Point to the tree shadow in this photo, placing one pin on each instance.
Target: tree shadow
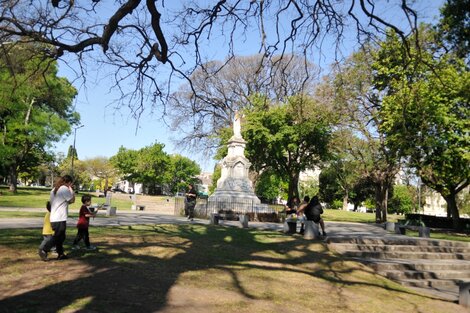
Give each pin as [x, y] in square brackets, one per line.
[124, 277]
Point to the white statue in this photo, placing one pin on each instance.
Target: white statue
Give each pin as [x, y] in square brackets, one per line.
[237, 125]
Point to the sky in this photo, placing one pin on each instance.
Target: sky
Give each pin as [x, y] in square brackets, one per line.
[105, 129]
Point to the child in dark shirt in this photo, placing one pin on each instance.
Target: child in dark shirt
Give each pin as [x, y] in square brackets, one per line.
[83, 224]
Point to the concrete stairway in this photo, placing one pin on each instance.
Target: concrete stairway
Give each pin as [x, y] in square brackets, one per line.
[434, 266]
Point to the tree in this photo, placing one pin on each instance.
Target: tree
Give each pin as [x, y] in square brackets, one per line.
[125, 162]
[203, 109]
[403, 200]
[287, 138]
[153, 167]
[35, 108]
[426, 113]
[181, 171]
[343, 171]
[145, 40]
[454, 27]
[350, 91]
[269, 186]
[102, 168]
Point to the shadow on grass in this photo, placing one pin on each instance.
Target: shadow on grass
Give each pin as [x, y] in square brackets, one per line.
[130, 274]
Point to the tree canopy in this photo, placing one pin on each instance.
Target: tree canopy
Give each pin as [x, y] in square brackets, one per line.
[287, 138]
[148, 40]
[35, 109]
[426, 114]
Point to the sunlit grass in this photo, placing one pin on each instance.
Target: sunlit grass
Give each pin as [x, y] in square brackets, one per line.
[37, 198]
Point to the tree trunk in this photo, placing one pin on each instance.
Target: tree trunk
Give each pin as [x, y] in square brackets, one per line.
[293, 190]
[454, 211]
[381, 193]
[345, 200]
[13, 176]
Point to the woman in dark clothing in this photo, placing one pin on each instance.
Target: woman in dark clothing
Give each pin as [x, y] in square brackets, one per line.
[313, 212]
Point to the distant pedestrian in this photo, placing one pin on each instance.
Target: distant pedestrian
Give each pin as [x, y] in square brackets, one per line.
[83, 224]
[191, 196]
[61, 196]
[47, 231]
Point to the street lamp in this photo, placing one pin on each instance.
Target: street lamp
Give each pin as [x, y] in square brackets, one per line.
[74, 139]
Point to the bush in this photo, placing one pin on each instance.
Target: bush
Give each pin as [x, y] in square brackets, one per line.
[402, 200]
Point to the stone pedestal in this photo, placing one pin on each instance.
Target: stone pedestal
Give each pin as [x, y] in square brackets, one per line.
[390, 226]
[464, 294]
[290, 226]
[244, 220]
[214, 219]
[111, 211]
[311, 230]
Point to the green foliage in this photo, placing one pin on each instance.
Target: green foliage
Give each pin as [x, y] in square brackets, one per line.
[308, 187]
[269, 186]
[215, 177]
[125, 161]
[426, 113]
[403, 200]
[35, 108]
[336, 204]
[454, 26]
[285, 139]
[154, 167]
[181, 171]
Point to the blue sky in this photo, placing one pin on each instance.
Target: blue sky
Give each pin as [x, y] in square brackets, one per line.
[106, 129]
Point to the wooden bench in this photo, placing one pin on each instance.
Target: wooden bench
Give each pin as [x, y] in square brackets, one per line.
[423, 231]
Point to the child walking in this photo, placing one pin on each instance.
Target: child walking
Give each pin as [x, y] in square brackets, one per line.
[83, 224]
[47, 231]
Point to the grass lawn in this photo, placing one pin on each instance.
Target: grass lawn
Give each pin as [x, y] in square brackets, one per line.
[196, 268]
[37, 198]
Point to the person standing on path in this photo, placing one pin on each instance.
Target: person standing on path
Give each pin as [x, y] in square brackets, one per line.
[191, 196]
[83, 224]
[61, 196]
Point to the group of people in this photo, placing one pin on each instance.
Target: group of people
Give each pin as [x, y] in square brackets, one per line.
[55, 220]
[310, 208]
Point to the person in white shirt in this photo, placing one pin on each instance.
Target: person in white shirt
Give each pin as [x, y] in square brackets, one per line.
[61, 196]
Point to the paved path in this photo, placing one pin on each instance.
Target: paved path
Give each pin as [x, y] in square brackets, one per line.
[132, 218]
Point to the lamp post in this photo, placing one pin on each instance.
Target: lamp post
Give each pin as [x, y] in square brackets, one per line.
[74, 139]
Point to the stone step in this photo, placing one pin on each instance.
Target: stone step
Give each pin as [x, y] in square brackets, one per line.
[436, 266]
[440, 284]
[416, 265]
[407, 255]
[393, 240]
[343, 247]
[410, 274]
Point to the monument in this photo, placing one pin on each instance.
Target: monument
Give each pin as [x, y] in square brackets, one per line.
[234, 189]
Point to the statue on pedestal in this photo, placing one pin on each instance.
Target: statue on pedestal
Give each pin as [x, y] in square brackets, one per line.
[234, 186]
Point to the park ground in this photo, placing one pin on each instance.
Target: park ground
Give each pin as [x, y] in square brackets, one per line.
[196, 268]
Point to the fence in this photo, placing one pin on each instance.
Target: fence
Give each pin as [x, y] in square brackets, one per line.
[255, 211]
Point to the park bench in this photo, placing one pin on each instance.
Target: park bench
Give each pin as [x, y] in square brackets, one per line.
[423, 231]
